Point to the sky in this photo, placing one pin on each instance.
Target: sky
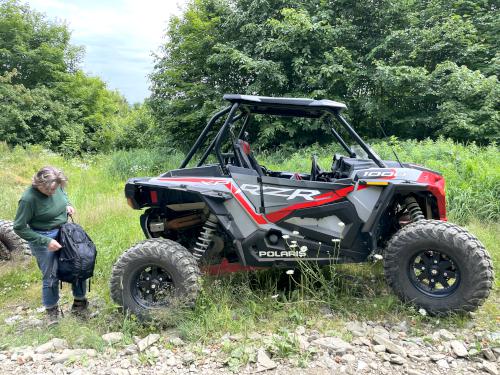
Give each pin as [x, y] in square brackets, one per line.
[119, 37]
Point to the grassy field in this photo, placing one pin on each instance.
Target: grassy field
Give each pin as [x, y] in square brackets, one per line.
[244, 303]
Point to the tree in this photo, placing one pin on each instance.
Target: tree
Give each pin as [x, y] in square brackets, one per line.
[44, 97]
[32, 116]
[392, 62]
[38, 49]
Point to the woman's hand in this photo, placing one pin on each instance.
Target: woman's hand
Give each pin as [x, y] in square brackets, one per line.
[70, 210]
[54, 245]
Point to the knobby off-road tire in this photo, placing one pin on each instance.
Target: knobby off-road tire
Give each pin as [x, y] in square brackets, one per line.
[426, 250]
[154, 276]
[11, 241]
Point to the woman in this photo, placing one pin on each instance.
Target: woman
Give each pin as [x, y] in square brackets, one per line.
[43, 208]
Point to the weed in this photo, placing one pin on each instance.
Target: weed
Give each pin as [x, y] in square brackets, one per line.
[238, 354]
[147, 358]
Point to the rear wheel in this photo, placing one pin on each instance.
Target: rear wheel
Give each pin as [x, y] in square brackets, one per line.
[438, 266]
[153, 276]
[10, 242]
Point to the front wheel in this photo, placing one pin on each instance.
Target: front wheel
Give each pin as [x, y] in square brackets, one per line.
[153, 276]
[438, 266]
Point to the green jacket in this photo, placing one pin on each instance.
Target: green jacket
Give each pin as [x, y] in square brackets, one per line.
[39, 211]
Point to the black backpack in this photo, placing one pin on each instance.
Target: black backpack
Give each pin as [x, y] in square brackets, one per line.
[77, 256]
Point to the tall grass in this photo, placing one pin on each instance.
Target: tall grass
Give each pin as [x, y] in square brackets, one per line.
[239, 303]
[144, 162]
[472, 173]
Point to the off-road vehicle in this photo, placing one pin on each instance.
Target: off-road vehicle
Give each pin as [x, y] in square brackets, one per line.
[234, 214]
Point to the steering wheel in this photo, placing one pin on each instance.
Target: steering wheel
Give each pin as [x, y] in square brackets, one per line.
[315, 169]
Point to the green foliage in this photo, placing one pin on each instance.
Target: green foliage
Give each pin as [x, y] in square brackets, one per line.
[421, 69]
[37, 48]
[34, 116]
[44, 97]
[97, 109]
[135, 128]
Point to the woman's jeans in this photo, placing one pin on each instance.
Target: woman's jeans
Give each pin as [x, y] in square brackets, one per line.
[47, 262]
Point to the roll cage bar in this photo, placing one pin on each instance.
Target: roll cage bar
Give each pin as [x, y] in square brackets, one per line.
[249, 104]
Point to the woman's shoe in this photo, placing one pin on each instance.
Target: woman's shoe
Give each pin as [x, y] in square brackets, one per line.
[52, 316]
[80, 307]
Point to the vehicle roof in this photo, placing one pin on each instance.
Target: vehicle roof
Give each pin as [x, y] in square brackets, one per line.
[284, 106]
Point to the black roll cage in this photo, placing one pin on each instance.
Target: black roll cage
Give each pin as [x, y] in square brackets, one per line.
[297, 110]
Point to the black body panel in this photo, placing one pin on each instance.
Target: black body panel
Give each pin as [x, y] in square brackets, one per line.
[205, 171]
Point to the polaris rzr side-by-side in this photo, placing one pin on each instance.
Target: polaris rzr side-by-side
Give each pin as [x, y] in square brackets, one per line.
[234, 214]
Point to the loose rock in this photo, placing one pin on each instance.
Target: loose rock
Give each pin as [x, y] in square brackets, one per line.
[334, 345]
[390, 346]
[113, 337]
[348, 358]
[458, 348]
[444, 334]
[148, 341]
[73, 354]
[362, 365]
[52, 345]
[437, 357]
[396, 359]
[488, 354]
[490, 368]
[415, 372]
[356, 328]
[443, 363]
[264, 363]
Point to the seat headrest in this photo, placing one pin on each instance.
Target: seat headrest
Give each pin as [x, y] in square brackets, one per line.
[245, 146]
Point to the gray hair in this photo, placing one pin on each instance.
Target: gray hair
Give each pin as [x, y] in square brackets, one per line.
[47, 176]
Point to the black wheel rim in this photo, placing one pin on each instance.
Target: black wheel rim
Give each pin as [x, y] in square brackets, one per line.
[434, 273]
[152, 287]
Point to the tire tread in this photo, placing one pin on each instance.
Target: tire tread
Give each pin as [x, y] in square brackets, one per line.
[469, 248]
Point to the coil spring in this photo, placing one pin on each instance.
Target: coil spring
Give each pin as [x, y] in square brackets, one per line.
[414, 209]
[205, 237]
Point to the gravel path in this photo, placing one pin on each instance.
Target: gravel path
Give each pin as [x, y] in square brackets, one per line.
[375, 348]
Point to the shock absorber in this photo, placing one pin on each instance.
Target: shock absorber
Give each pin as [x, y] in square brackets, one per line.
[205, 237]
[414, 209]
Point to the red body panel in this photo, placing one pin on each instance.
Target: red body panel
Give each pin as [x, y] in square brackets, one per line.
[435, 184]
